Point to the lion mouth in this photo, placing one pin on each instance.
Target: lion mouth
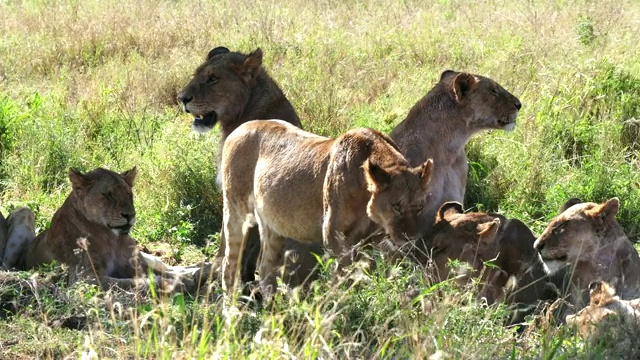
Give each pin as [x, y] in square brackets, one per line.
[122, 230]
[508, 123]
[204, 123]
[552, 264]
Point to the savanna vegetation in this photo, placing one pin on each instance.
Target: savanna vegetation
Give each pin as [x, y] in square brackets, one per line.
[94, 83]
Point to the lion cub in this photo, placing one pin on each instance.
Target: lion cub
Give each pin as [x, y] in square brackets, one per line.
[606, 311]
[587, 238]
[475, 238]
[296, 184]
[478, 237]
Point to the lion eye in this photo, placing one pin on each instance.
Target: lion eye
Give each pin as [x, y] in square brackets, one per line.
[495, 92]
[559, 229]
[213, 79]
[397, 208]
[108, 195]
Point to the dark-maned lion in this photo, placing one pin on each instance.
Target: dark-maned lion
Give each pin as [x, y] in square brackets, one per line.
[587, 241]
[439, 126]
[299, 185]
[231, 88]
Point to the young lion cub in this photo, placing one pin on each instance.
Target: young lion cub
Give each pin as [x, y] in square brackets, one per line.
[606, 314]
[307, 187]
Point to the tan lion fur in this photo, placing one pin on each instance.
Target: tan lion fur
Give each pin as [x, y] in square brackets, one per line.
[605, 316]
[230, 89]
[588, 241]
[441, 123]
[478, 237]
[90, 233]
[299, 185]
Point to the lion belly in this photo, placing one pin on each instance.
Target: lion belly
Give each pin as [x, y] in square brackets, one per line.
[288, 196]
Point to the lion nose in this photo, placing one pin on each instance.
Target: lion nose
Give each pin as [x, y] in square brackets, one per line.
[518, 104]
[128, 216]
[184, 99]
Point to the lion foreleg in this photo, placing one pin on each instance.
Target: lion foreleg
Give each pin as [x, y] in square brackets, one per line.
[334, 236]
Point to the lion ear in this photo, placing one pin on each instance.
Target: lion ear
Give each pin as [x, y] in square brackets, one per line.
[600, 293]
[425, 170]
[487, 231]
[78, 180]
[447, 209]
[447, 75]
[251, 64]
[130, 176]
[570, 203]
[462, 85]
[605, 214]
[377, 178]
[217, 51]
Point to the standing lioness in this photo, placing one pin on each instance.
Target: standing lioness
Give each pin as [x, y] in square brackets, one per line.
[299, 185]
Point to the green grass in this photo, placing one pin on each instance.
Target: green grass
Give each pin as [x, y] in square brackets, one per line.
[88, 84]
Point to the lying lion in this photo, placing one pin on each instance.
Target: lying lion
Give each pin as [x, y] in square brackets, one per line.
[605, 317]
[475, 238]
[299, 185]
[230, 89]
[586, 239]
[90, 234]
[440, 124]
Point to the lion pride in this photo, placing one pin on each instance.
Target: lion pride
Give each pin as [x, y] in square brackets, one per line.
[296, 184]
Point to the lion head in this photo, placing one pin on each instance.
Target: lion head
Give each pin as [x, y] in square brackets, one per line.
[220, 88]
[587, 243]
[493, 106]
[470, 238]
[105, 198]
[398, 197]
[578, 235]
